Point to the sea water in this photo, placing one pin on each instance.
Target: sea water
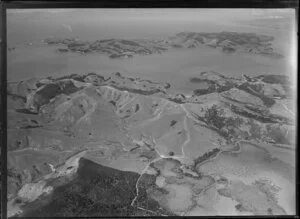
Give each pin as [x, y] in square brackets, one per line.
[31, 57]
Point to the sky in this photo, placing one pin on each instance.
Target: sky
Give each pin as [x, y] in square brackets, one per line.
[177, 14]
[24, 24]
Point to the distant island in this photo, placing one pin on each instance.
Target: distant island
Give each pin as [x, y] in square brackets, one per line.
[228, 42]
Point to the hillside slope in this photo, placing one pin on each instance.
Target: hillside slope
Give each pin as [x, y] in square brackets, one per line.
[136, 125]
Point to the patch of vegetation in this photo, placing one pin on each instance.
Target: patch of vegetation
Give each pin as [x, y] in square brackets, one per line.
[228, 49]
[196, 80]
[173, 122]
[215, 117]
[29, 126]
[62, 50]
[171, 153]
[26, 111]
[199, 92]
[224, 192]
[222, 180]
[258, 117]
[137, 107]
[234, 122]
[206, 156]
[232, 130]
[176, 45]
[112, 102]
[178, 100]
[76, 44]
[240, 208]
[270, 211]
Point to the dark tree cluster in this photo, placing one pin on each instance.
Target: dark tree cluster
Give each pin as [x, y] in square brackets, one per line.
[207, 155]
[96, 191]
[214, 117]
[173, 122]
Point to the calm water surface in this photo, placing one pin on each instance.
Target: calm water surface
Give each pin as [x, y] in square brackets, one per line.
[175, 66]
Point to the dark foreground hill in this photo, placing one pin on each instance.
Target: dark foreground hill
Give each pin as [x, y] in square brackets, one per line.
[96, 191]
